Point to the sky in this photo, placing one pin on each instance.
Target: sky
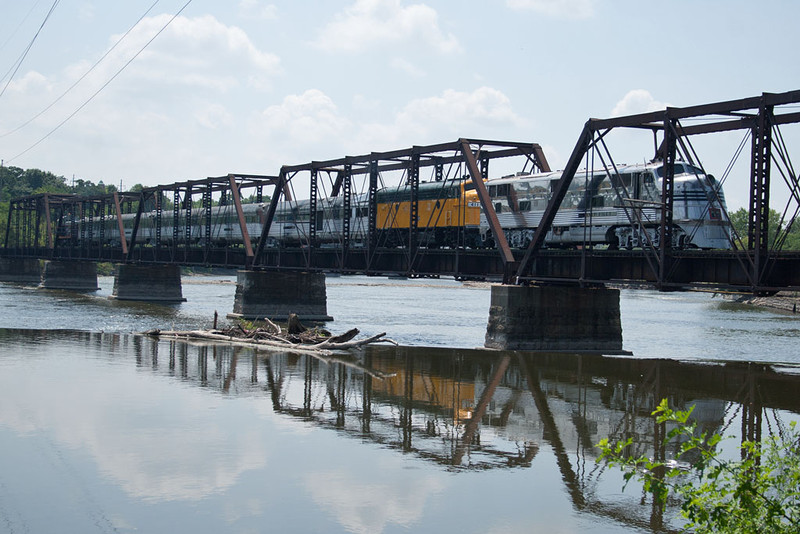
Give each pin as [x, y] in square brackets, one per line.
[245, 86]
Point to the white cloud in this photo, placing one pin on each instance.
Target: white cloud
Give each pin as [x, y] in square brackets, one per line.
[201, 52]
[407, 67]
[364, 507]
[368, 23]
[258, 9]
[637, 101]
[298, 126]
[309, 126]
[165, 116]
[306, 119]
[458, 110]
[573, 9]
[213, 116]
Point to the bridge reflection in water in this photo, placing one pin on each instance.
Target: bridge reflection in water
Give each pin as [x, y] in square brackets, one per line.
[466, 410]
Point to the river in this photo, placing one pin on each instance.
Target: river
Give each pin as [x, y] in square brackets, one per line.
[103, 430]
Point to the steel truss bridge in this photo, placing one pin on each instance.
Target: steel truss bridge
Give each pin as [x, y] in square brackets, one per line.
[174, 216]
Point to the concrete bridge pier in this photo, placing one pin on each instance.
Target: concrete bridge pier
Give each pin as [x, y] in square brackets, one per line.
[71, 275]
[151, 283]
[554, 318]
[20, 270]
[276, 294]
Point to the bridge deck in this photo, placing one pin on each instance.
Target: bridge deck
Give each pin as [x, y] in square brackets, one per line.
[688, 269]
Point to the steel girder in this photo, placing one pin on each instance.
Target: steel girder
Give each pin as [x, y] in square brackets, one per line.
[758, 114]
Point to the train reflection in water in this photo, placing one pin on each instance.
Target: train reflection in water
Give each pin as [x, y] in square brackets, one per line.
[465, 410]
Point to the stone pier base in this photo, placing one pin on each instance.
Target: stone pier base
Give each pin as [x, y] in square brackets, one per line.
[153, 283]
[552, 318]
[20, 270]
[275, 295]
[71, 275]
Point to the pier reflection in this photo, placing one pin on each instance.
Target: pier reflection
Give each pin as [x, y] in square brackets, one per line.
[470, 410]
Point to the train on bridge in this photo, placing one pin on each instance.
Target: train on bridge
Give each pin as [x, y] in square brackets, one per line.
[618, 210]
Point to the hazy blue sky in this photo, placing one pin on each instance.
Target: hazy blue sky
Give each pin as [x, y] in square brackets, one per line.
[248, 85]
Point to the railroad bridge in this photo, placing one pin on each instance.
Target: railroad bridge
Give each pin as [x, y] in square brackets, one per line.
[285, 231]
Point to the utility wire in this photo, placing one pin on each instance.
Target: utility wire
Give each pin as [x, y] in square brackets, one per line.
[48, 134]
[85, 74]
[24, 19]
[27, 49]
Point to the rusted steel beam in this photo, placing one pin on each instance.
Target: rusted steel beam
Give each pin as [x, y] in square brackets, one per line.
[136, 220]
[273, 206]
[668, 155]
[758, 220]
[11, 208]
[429, 156]
[557, 197]
[237, 202]
[486, 203]
[219, 183]
[538, 153]
[120, 226]
[718, 108]
[47, 221]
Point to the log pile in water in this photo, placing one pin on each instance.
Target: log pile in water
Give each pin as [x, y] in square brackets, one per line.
[295, 337]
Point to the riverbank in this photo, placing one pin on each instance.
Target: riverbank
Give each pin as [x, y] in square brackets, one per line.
[786, 301]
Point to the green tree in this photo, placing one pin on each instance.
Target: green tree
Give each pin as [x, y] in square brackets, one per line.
[758, 493]
[739, 219]
[16, 182]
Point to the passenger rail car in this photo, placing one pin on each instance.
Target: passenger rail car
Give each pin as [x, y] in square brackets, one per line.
[623, 210]
[620, 211]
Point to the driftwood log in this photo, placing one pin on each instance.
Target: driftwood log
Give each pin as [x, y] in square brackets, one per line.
[295, 338]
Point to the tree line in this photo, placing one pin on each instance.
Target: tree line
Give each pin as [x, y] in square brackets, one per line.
[16, 182]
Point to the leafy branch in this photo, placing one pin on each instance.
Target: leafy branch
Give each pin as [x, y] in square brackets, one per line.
[758, 493]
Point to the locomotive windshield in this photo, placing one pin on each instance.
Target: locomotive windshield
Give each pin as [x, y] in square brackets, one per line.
[680, 168]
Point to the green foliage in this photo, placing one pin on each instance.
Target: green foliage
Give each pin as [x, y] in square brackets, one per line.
[758, 493]
[739, 223]
[16, 182]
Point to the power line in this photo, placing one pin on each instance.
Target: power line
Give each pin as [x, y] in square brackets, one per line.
[48, 134]
[85, 74]
[27, 49]
[24, 19]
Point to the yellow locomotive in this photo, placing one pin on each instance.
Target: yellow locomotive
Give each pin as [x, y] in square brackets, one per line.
[445, 215]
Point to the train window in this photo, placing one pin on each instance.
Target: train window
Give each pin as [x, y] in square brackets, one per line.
[680, 168]
[524, 205]
[502, 190]
[498, 207]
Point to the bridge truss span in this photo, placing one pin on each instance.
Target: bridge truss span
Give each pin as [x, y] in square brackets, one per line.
[772, 184]
[471, 209]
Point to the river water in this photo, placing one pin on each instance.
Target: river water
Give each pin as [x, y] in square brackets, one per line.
[102, 430]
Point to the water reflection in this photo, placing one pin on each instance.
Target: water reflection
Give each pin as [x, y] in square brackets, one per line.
[456, 411]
